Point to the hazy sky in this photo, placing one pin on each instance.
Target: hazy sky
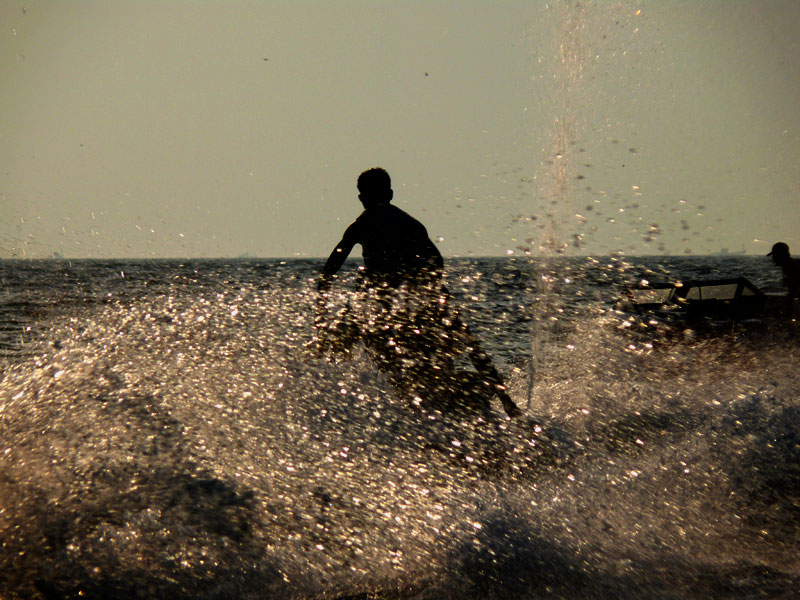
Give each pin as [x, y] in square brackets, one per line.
[175, 129]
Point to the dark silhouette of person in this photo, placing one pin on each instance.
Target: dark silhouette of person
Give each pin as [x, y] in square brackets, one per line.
[417, 334]
[395, 246]
[790, 267]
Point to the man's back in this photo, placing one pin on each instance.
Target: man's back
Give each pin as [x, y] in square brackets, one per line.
[790, 267]
[395, 246]
[791, 276]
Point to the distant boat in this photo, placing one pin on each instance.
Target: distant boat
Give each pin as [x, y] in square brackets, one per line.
[711, 302]
[725, 251]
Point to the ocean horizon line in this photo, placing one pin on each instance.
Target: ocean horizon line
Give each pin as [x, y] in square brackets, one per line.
[354, 259]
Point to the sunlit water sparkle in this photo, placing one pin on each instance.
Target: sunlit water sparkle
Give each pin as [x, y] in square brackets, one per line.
[165, 432]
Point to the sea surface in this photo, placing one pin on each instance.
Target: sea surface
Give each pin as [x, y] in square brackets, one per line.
[166, 431]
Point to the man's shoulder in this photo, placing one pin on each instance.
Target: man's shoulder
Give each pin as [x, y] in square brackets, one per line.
[355, 228]
[386, 208]
[400, 214]
[387, 212]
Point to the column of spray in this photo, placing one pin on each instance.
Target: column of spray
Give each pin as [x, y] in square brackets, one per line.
[556, 189]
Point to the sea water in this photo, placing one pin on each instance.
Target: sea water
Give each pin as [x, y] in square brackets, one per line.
[166, 430]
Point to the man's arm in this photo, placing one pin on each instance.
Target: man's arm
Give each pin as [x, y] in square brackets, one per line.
[337, 258]
[435, 255]
[429, 258]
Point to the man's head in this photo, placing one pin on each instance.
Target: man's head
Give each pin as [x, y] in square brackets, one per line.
[780, 253]
[374, 187]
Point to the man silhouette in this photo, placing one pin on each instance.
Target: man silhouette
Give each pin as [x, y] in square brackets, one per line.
[395, 246]
[790, 267]
[414, 335]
